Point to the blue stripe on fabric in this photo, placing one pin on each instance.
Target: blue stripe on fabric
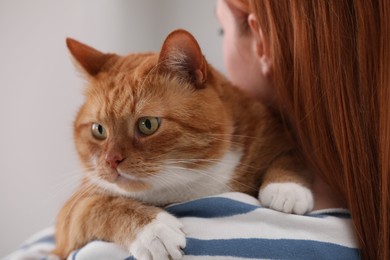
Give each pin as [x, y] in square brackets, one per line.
[43, 240]
[74, 254]
[344, 215]
[269, 249]
[212, 207]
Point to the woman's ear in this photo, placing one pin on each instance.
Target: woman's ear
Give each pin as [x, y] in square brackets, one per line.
[262, 49]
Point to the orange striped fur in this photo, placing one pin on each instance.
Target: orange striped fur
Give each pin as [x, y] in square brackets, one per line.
[210, 133]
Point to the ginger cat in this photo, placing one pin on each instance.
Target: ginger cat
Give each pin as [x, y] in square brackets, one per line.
[162, 128]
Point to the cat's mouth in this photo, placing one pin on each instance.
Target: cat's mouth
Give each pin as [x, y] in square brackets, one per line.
[114, 178]
[115, 175]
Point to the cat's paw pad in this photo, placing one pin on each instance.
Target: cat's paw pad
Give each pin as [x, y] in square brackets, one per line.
[287, 197]
[160, 239]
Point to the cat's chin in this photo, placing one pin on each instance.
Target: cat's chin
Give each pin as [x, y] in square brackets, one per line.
[120, 183]
[120, 175]
[130, 183]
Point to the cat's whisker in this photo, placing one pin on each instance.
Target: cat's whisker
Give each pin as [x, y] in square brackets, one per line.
[217, 179]
[167, 183]
[174, 173]
[63, 182]
[87, 189]
[250, 168]
[204, 173]
[229, 141]
[235, 135]
[223, 180]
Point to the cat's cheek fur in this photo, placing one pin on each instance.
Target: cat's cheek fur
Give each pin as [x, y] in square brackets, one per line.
[160, 239]
[288, 197]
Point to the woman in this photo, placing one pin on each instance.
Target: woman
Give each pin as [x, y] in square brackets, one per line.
[250, 70]
[325, 65]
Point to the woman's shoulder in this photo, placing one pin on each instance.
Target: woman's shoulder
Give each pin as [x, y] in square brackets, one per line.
[234, 226]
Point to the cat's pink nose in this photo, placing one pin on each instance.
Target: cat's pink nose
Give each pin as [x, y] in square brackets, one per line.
[114, 160]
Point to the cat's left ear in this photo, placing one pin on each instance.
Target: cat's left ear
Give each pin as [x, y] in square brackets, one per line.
[90, 60]
[182, 56]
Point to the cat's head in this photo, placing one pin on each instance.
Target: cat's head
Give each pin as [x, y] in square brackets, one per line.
[149, 120]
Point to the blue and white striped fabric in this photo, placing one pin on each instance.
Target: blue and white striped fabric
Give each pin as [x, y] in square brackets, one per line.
[234, 226]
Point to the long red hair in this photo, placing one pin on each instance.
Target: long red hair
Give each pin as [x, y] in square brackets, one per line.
[331, 71]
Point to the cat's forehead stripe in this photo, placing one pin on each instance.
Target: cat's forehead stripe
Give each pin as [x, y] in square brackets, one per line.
[122, 95]
[128, 88]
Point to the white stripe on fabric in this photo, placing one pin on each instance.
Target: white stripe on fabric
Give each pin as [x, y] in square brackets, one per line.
[217, 225]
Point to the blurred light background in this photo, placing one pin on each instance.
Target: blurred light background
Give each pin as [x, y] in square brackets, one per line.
[40, 90]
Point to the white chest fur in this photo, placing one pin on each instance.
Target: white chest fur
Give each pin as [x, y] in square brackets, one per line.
[176, 183]
[180, 184]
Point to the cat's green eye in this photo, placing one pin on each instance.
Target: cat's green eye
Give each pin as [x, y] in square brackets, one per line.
[148, 125]
[98, 131]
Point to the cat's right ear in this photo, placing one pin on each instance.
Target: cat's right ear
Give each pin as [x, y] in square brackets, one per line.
[182, 56]
[90, 60]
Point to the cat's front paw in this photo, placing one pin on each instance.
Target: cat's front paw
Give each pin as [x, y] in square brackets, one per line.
[287, 197]
[160, 239]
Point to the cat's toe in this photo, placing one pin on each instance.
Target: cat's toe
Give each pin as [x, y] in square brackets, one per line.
[160, 239]
[287, 197]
